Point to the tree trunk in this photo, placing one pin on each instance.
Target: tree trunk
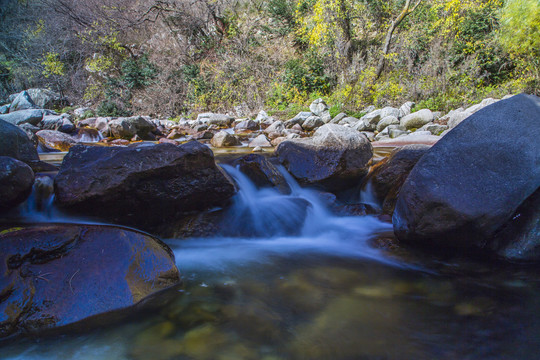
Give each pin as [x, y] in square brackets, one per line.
[406, 11]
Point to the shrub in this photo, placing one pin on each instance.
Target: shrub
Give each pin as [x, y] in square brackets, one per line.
[111, 108]
[138, 72]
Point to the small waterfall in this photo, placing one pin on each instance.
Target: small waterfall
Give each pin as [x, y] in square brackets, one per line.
[88, 135]
[367, 196]
[264, 212]
[263, 222]
[39, 205]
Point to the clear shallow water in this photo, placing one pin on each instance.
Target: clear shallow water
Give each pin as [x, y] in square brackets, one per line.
[327, 288]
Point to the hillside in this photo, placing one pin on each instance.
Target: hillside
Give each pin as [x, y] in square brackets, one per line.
[171, 58]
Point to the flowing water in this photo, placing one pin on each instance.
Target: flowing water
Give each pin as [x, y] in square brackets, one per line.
[306, 284]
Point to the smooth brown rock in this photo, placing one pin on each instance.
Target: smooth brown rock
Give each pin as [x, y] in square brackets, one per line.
[56, 140]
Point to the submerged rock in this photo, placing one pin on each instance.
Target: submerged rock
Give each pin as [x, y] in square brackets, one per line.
[16, 179]
[143, 186]
[74, 275]
[472, 181]
[335, 157]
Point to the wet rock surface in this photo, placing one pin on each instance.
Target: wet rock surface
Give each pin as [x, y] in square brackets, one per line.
[16, 179]
[56, 140]
[262, 172]
[387, 177]
[472, 181]
[519, 239]
[127, 128]
[15, 143]
[60, 275]
[142, 186]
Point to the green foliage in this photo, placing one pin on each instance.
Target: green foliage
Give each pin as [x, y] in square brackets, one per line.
[88, 114]
[445, 54]
[197, 84]
[520, 27]
[67, 109]
[289, 111]
[307, 75]
[282, 11]
[335, 109]
[111, 108]
[138, 72]
[52, 65]
[520, 36]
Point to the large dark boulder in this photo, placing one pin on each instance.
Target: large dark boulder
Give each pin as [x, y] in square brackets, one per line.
[67, 275]
[15, 143]
[142, 186]
[336, 157]
[16, 180]
[472, 181]
[519, 239]
[387, 177]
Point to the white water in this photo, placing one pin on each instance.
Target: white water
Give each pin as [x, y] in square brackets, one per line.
[277, 224]
[367, 196]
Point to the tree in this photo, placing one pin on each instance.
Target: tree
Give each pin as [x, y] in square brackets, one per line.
[520, 32]
[387, 41]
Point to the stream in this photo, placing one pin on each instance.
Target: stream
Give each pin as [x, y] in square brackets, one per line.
[308, 284]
